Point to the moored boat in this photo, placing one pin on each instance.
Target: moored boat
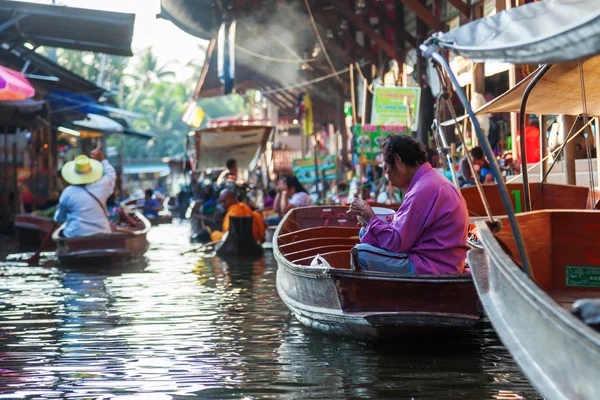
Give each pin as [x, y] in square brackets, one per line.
[32, 229]
[533, 316]
[126, 243]
[364, 305]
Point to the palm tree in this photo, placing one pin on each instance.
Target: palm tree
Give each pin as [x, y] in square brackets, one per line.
[147, 70]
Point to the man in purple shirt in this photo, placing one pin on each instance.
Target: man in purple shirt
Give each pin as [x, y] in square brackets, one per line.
[428, 234]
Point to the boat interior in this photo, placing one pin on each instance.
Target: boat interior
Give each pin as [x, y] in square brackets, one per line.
[551, 197]
[564, 252]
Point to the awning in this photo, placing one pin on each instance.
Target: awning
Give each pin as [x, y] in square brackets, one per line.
[21, 112]
[99, 123]
[161, 169]
[65, 101]
[198, 18]
[245, 143]
[67, 27]
[549, 31]
[558, 92]
[14, 86]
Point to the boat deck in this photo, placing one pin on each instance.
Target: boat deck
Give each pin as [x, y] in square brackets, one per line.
[567, 298]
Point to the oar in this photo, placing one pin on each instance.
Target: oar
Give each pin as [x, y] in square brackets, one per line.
[35, 259]
[201, 247]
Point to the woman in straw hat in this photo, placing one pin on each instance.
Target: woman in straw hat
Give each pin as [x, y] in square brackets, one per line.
[83, 204]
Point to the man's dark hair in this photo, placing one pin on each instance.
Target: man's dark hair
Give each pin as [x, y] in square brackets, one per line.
[410, 150]
[477, 153]
[149, 192]
[231, 163]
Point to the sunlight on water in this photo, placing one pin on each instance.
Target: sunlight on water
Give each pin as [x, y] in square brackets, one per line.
[185, 326]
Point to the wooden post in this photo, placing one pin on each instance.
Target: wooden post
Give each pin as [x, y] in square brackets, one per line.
[543, 145]
[5, 166]
[477, 87]
[597, 143]
[566, 121]
[17, 195]
[352, 96]
[316, 160]
[514, 124]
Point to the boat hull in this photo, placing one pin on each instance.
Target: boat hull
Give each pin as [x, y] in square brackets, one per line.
[105, 249]
[559, 354]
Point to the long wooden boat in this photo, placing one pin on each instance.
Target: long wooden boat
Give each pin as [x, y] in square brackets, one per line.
[558, 352]
[32, 229]
[160, 219]
[126, 243]
[364, 305]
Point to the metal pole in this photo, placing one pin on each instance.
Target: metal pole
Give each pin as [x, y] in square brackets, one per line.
[522, 141]
[543, 146]
[487, 149]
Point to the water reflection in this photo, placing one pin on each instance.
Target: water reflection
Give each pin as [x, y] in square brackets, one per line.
[196, 326]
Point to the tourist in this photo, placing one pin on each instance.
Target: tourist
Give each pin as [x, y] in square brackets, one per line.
[116, 214]
[428, 234]
[465, 175]
[235, 208]
[270, 200]
[151, 205]
[82, 205]
[229, 174]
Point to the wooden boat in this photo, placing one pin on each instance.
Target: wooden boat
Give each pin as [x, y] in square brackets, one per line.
[136, 204]
[558, 352]
[106, 249]
[32, 229]
[551, 196]
[160, 219]
[240, 241]
[364, 305]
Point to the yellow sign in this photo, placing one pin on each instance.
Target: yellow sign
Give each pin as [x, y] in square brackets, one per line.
[193, 115]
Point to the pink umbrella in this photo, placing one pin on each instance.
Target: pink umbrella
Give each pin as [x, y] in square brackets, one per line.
[14, 86]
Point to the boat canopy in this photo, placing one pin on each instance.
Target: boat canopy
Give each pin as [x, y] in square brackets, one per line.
[245, 143]
[557, 92]
[549, 31]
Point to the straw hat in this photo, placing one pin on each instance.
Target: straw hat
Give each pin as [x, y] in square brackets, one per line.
[82, 170]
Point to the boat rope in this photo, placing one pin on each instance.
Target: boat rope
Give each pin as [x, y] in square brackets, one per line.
[314, 25]
[552, 154]
[447, 100]
[275, 59]
[588, 147]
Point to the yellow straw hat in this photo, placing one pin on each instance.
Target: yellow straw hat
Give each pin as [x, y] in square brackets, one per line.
[82, 170]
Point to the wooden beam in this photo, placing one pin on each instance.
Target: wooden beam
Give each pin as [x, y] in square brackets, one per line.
[423, 14]
[463, 8]
[204, 72]
[360, 24]
[378, 9]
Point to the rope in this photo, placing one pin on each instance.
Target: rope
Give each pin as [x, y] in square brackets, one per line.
[551, 153]
[314, 25]
[275, 59]
[588, 148]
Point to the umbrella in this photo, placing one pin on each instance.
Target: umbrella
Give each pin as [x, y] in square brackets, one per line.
[14, 86]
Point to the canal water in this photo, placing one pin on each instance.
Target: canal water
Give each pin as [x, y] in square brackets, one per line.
[194, 327]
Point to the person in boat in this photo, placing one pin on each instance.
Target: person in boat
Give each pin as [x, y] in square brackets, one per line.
[229, 174]
[116, 214]
[82, 204]
[151, 205]
[235, 208]
[465, 175]
[270, 200]
[428, 233]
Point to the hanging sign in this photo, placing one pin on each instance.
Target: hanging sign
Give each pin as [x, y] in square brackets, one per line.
[396, 106]
[304, 168]
[368, 139]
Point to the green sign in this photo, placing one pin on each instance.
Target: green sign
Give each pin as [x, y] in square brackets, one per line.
[304, 169]
[583, 277]
[396, 106]
[368, 140]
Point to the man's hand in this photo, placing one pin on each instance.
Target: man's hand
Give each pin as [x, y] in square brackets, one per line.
[361, 208]
[96, 154]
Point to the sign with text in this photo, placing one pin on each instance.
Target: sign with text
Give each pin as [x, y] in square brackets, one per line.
[304, 169]
[368, 139]
[396, 106]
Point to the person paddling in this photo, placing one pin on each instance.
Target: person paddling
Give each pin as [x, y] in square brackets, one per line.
[83, 204]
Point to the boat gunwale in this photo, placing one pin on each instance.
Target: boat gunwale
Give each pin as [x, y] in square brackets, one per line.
[535, 295]
[103, 236]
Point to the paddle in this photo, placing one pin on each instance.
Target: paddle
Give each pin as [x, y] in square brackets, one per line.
[35, 259]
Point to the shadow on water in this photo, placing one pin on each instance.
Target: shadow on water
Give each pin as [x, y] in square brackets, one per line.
[195, 326]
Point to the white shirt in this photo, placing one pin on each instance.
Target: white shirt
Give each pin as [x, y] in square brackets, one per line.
[300, 199]
[80, 211]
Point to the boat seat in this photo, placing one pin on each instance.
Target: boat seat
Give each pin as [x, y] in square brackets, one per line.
[318, 232]
[298, 255]
[339, 259]
[307, 244]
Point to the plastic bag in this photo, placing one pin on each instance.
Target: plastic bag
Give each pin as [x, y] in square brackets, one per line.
[319, 261]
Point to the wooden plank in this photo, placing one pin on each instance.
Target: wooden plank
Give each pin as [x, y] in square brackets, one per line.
[463, 8]
[378, 9]
[360, 24]
[423, 14]
[204, 72]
